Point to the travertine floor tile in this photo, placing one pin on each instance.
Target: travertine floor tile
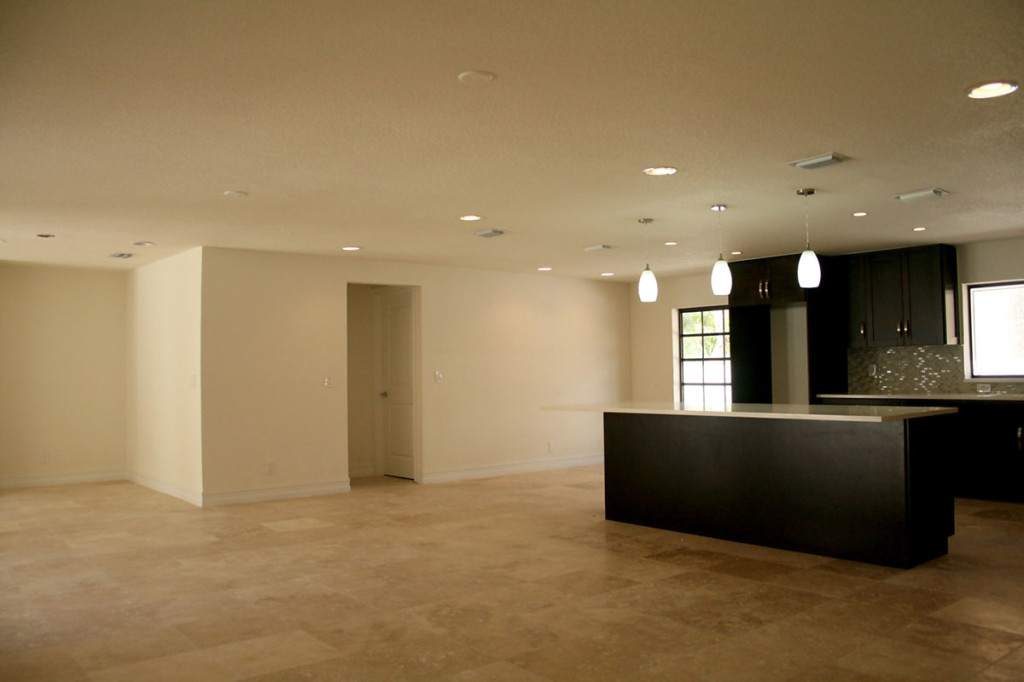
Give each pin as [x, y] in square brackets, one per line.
[511, 578]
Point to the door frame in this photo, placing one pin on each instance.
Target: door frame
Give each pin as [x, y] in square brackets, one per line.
[379, 421]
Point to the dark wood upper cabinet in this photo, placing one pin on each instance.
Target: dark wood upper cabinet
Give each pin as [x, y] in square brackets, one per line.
[765, 281]
[902, 297]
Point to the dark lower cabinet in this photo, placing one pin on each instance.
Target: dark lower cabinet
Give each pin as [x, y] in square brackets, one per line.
[873, 492]
[990, 461]
[985, 448]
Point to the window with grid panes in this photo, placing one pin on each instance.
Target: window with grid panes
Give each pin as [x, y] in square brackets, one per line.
[704, 356]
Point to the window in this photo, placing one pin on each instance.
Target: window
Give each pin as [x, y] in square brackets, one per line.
[995, 330]
[705, 365]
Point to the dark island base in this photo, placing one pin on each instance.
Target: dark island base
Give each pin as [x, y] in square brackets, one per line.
[876, 492]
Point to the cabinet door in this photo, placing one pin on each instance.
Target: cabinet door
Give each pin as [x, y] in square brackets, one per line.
[858, 320]
[748, 277]
[782, 283]
[924, 317]
[990, 457]
[751, 347]
[885, 298]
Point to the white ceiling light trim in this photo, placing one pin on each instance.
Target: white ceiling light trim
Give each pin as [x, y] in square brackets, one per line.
[660, 170]
[992, 89]
[476, 77]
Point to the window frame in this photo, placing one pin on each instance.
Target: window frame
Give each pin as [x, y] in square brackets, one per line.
[681, 383]
[968, 335]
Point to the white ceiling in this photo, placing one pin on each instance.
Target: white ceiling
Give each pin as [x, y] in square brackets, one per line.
[345, 123]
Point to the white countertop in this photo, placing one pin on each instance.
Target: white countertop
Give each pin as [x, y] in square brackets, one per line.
[841, 413]
[924, 396]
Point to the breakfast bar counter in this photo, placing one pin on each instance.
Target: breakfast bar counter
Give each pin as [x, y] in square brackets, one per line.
[866, 483]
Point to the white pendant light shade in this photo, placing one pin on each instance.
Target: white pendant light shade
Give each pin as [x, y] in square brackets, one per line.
[808, 270]
[721, 278]
[648, 286]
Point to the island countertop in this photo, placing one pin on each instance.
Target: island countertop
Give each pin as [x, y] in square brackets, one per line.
[837, 413]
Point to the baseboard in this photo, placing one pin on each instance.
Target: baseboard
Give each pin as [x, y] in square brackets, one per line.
[282, 493]
[191, 496]
[36, 480]
[511, 468]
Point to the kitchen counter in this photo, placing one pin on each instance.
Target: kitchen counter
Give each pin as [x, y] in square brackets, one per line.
[865, 483]
[834, 413]
[924, 396]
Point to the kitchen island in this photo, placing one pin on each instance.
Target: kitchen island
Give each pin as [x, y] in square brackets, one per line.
[866, 483]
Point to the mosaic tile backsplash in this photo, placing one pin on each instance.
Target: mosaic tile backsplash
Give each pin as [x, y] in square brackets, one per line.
[914, 369]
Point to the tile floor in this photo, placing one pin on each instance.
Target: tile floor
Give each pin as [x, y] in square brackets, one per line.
[511, 578]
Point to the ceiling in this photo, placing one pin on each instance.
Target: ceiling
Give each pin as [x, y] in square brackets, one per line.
[344, 123]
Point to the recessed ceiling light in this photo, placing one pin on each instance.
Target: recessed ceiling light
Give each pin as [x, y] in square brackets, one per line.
[718, 208]
[736, 253]
[607, 274]
[660, 170]
[476, 77]
[920, 228]
[470, 217]
[860, 214]
[351, 248]
[46, 235]
[544, 269]
[671, 243]
[993, 89]
[235, 193]
[121, 255]
[143, 243]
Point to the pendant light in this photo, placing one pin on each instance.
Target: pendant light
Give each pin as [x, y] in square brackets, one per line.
[721, 275]
[647, 288]
[808, 270]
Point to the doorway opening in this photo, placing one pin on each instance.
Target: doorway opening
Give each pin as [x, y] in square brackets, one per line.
[383, 390]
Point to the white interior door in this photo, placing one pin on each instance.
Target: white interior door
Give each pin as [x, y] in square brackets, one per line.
[397, 395]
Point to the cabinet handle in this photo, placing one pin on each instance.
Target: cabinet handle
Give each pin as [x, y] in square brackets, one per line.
[760, 288]
[767, 291]
[906, 328]
[1020, 445]
[863, 331]
[899, 329]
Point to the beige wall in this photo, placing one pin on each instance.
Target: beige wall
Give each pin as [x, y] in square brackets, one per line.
[507, 344]
[361, 386]
[652, 332]
[164, 377]
[62, 375]
[991, 261]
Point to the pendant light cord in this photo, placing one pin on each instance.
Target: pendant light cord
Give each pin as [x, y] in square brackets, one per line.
[807, 222]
